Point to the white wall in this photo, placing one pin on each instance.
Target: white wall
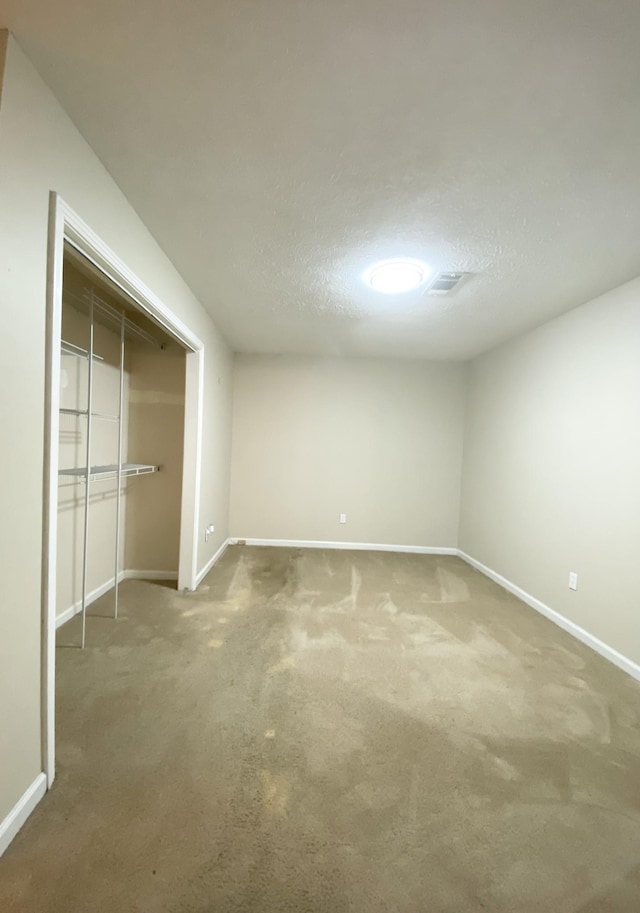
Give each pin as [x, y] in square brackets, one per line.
[379, 440]
[40, 150]
[551, 479]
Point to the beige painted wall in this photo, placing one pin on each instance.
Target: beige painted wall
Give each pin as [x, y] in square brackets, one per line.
[551, 478]
[156, 435]
[379, 440]
[40, 150]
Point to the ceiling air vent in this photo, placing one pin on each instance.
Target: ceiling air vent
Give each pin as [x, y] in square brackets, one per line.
[445, 283]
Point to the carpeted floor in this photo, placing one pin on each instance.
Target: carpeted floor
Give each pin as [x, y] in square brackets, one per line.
[329, 731]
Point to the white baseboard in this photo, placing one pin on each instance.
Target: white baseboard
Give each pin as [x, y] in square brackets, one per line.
[76, 608]
[150, 575]
[69, 613]
[21, 811]
[205, 570]
[354, 546]
[617, 658]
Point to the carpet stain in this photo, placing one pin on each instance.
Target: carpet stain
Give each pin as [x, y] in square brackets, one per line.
[283, 665]
[275, 793]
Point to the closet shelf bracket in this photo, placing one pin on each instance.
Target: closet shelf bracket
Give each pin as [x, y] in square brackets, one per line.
[68, 348]
[84, 412]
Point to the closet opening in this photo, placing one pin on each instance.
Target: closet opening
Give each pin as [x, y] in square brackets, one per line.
[120, 459]
[122, 444]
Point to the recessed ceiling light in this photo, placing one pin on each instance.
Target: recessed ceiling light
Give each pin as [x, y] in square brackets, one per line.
[395, 276]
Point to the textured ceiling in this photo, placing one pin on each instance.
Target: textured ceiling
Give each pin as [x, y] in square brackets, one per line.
[276, 148]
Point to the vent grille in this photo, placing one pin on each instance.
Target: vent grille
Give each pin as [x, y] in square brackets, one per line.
[445, 283]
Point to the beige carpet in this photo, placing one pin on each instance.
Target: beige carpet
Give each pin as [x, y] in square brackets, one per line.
[319, 732]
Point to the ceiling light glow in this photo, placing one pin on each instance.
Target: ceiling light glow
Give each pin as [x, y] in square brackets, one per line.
[393, 277]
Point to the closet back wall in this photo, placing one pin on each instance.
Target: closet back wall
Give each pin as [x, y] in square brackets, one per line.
[156, 435]
[379, 440]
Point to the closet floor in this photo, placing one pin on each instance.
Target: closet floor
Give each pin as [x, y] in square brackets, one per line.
[328, 731]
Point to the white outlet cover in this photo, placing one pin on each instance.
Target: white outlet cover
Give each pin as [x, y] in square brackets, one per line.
[343, 518]
[573, 580]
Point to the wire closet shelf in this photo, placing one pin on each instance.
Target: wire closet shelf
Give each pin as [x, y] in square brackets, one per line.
[88, 302]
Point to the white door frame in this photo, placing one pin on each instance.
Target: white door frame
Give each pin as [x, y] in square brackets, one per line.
[66, 225]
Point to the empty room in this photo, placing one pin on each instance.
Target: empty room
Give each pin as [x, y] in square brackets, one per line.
[321, 436]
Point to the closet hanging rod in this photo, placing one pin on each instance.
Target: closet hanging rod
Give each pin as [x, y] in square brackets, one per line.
[111, 313]
[68, 348]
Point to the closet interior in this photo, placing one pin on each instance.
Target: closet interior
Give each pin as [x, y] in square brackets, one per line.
[121, 439]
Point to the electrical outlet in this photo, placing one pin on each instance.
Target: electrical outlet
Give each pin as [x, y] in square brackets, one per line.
[209, 531]
[343, 518]
[573, 580]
